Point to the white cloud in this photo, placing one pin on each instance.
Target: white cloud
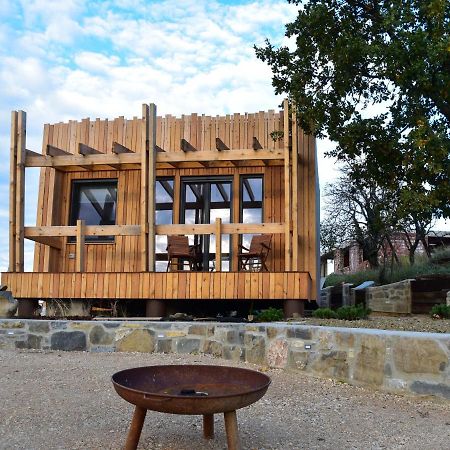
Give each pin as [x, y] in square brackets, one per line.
[72, 59]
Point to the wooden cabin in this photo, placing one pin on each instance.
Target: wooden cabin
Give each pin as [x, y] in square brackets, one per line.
[112, 191]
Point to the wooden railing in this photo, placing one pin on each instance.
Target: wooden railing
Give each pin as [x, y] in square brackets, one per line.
[50, 235]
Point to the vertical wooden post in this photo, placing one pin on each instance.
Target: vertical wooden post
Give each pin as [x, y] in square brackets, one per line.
[234, 238]
[151, 180]
[144, 193]
[218, 244]
[12, 193]
[20, 189]
[294, 190]
[80, 262]
[287, 190]
[176, 197]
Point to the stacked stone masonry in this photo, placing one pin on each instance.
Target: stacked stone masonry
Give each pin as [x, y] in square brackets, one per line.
[390, 298]
[394, 361]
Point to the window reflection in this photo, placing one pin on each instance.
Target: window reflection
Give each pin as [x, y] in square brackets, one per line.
[163, 216]
[251, 203]
[95, 203]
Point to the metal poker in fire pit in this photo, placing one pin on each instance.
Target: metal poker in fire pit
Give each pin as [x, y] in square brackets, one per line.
[190, 389]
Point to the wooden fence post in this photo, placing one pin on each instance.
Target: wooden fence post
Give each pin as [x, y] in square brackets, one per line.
[151, 185]
[218, 244]
[12, 193]
[287, 190]
[20, 189]
[144, 193]
[80, 262]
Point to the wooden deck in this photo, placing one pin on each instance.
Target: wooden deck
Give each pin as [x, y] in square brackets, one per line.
[157, 285]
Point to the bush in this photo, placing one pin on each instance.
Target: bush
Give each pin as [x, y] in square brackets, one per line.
[270, 315]
[436, 265]
[342, 313]
[324, 313]
[352, 312]
[440, 311]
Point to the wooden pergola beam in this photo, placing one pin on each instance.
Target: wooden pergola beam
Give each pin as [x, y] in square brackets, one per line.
[256, 145]
[37, 160]
[89, 230]
[53, 242]
[86, 150]
[51, 150]
[119, 148]
[220, 145]
[227, 228]
[186, 146]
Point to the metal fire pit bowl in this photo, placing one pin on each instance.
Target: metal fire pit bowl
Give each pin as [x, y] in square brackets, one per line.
[189, 389]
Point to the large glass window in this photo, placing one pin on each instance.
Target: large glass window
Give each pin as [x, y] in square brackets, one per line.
[203, 200]
[94, 201]
[164, 216]
[251, 202]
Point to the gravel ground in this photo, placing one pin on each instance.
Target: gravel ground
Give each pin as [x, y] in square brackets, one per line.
[65, 400]
[403, 323]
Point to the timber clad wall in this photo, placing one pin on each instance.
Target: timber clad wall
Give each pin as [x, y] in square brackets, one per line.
[292, 153]
[236, 132]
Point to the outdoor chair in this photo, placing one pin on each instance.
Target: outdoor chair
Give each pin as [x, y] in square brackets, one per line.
[255, 257]
[181, 254]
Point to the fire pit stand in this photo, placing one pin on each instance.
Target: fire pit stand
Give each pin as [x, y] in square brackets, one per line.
[190, 389]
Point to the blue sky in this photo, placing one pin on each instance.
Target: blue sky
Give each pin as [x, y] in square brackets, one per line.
[70, 59]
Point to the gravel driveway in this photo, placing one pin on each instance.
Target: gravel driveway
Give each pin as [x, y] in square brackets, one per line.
[62, 400]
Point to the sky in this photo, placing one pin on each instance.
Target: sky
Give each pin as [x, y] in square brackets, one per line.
[71, 59]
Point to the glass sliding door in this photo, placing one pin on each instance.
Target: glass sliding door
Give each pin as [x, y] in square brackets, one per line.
[204, 200]
[251, 203]
[163, 216]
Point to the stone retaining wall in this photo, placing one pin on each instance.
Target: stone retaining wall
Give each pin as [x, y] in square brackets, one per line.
[390, 298]
[395, 361]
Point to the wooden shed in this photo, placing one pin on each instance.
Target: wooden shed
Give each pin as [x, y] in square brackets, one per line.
[112, 191]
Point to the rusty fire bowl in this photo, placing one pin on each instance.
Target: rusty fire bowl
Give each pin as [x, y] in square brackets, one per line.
[190, 389]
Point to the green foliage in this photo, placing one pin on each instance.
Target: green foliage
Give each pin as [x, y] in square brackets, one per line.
[352, 312]
[441, 311]
[324, 313]
[385, 275]
[342, 313]
[354, 278]
[441, 256]
[269, 315]
[374, 77]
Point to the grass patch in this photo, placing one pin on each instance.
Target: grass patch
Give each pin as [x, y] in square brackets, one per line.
[386, 275]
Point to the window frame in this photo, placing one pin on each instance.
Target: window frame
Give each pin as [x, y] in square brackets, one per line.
[74, 208]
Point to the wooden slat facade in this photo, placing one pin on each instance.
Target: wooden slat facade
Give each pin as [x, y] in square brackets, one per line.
[161, 285]
[114, 263]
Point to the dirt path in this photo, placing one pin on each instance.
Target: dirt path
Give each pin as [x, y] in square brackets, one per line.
[58, 400]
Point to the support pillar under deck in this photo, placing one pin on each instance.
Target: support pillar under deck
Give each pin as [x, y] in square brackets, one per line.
[293, 308]
[155, 308]
[27, 308]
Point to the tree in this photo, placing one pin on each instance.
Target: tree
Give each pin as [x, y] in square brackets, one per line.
[359, 211]
[374, 76]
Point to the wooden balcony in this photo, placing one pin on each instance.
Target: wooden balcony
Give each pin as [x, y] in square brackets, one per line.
[161, 285]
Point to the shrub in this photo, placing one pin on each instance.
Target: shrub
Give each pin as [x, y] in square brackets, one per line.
[440, 311]
[352, 312]
[324, 313]
[270, 315]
